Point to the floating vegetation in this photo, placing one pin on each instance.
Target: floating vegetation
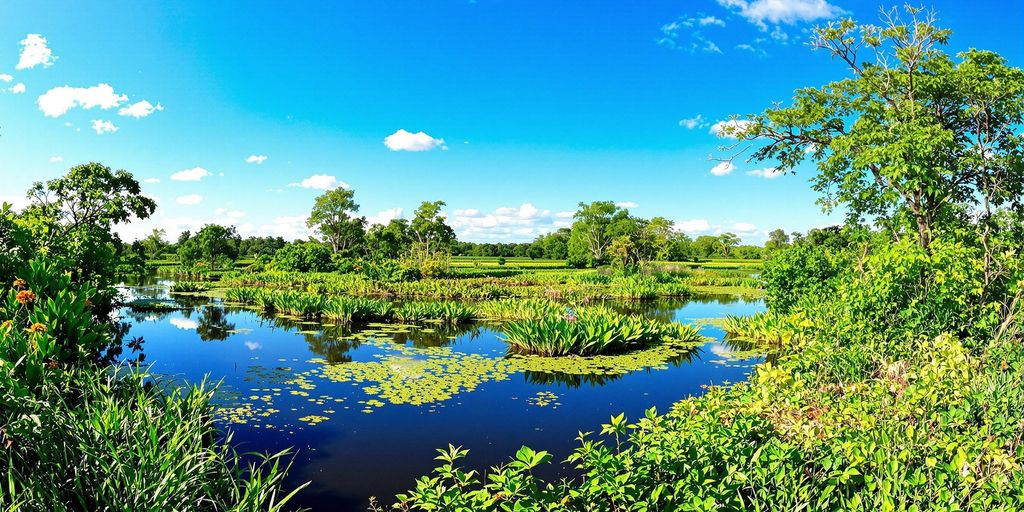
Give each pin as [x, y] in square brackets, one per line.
[544, 399]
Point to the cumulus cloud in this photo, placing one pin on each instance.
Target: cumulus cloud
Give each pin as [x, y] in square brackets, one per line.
[768, 173]
[151, 180]
[320, 182]
[693, 122]
[34, 52]
[190, 200]
[256, 159]
[385, 216]
[731, 128]
[407, 141]
[102, 127]
[686, 33]
[59, 100]
[744, 228]
[752, 49]
[790, 12]
[710, 20]
[140, 109]
[17, 88]
[627, 204]
[193, 174]
[289, 227]
[723, 168]
[6, 78]
[694, 225]
[522, 223]
[56, 159]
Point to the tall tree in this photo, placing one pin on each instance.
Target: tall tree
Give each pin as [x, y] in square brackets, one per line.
[590, 230]
[389, 241]
[332, 218]
[216, 242]
[429, 230]
[913, 137]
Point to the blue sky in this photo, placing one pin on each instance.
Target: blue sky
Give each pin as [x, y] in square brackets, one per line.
[526, 107]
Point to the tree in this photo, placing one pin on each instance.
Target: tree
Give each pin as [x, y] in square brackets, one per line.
[661, 231]
[726, 241]
[332, 219]
[389, 241]
[211, 243]
[912, 138]
[777, 239]
[590, 231]
[304, 257]
[429, 230]
[72, 218]
[155, 243]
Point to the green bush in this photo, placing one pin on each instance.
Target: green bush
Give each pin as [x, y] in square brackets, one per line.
[304, 257]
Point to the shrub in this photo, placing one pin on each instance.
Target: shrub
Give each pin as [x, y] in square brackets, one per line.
[304, 257]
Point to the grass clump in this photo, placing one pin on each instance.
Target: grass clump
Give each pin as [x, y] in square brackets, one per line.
[590, 331]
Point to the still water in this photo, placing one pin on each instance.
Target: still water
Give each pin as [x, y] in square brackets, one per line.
[366, 406]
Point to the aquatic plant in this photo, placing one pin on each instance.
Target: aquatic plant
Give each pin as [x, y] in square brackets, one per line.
[518, 309]
[590, 331]
[446, 312]
[189, 287]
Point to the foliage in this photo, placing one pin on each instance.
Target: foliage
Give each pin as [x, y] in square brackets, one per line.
[912, 136]
[332, 218]
[213, 243]
[304, 257]
[588, 331]
[189, 287]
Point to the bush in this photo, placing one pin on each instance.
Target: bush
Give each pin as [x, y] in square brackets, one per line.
[304, 257]
[391, 271]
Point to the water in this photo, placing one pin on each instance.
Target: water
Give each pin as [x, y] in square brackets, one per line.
[281, 393]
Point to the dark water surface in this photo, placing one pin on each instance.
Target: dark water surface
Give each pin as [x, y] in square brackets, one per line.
[428, 387]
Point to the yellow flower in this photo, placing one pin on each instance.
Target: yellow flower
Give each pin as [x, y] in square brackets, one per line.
[26, 296]
[6, 325]
[20, 283]
[37, 327]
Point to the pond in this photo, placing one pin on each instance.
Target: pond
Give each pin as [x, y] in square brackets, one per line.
[366, 406]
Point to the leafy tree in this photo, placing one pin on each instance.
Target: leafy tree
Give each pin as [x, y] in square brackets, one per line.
[332, 219]
[661, 231]
[913, 137]
[726, 242]
[389, 241]
[777, 239]
[430, 232]
[213, 243]
[304, 257]
[155, 243]
[591, 231]
[72, 218]
[706, 246]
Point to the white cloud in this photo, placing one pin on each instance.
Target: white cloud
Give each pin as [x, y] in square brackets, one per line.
[384, 216]
[752, 49]
[730, 129]
[693, 122]
[768, 173]
[791, 12]
[290, 227]
[565, 215]
[193, 174]
[406, 141]
[320, 182]
[34, 52]
[522, 223]
[140, 109]
[744, 228]
[102, 127]
[231, 214]
[256, 159]
[627, 204]
[191, 199]
[151, 180]
[57, 101]
[6, 78]
[56, 159]
[723, 168]
[184, 323]
[693, 225]
[253, 345]
[710, 20]
[18, 88]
